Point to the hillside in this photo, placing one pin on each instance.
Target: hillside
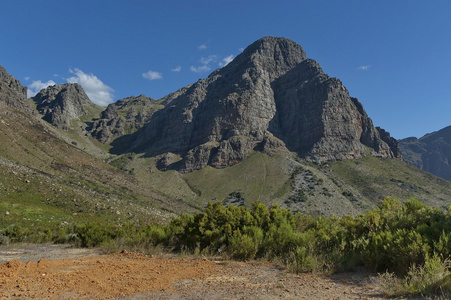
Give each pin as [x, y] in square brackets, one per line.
[44, 175]
[45, 178]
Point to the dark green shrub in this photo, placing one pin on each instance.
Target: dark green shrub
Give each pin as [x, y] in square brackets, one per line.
[242, 247]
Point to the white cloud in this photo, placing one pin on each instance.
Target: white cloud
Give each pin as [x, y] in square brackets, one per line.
[177, 69]
[202, 47]
[205, 61]
[97, 91]
[152, 75]
[36, 86]
[200, 69]
[208, 59]
[225, 61]
[27, 78]
[363, 68]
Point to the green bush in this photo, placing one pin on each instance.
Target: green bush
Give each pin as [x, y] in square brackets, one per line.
[300, 260]
[242, 247]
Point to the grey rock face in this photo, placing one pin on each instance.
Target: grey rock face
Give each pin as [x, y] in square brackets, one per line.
[318, 119]
[431, 153]
[12, 93]
[269, 96]
[59, 104]
[124, 117]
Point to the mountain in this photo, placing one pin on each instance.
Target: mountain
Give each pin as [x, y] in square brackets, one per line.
[12, 93]
[431, 152]
[270, 96]
[270, 126]
[123, 117]
[61, 104]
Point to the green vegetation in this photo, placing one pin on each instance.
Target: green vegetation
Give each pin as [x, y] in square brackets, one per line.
[409, 243]
[260, 177]
[374, 179]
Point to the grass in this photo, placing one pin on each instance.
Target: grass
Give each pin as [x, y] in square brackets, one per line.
[259, 177]
[345, 187]
[376, 179]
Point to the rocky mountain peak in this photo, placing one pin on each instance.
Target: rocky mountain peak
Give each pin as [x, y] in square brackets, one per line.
[59, 104]
[271, 55]
[12, 93]
[125, 116]
[270, 96]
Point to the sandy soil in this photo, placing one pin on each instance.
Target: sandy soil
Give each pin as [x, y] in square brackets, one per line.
[84, 274]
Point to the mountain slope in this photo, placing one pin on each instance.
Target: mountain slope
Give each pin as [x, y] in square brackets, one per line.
[431, 152]
[43, 175]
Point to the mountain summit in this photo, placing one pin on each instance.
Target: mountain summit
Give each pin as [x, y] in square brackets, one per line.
[59, 104]
[270, 96]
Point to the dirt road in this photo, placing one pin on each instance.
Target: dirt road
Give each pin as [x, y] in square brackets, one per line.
[87, 275]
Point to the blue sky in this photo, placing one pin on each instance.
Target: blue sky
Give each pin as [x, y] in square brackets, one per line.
[394, 56]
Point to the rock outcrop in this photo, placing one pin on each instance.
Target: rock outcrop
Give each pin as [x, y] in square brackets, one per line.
[12, 93]
[124, 117]
[431, 153]
[269, 96]
[60, 104]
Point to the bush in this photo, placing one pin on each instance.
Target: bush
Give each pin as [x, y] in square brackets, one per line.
[431, 278]
[300, 260]
[243, 247]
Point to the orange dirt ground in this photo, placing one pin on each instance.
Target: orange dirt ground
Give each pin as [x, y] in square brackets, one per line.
[134, 276]
[96, 277]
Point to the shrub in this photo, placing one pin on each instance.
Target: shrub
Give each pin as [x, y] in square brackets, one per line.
[299, 260]
[431, 278]
[243, 247]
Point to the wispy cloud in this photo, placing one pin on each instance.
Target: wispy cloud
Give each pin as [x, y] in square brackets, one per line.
[364, 68]
[226, 60]
[152, 75]
[97, 91]
[176, 69]
[200, 69]
[36, 86]
[202, 46]
[205, 62]
[208, 59]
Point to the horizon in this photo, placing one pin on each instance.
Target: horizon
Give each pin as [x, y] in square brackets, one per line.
[393, 57]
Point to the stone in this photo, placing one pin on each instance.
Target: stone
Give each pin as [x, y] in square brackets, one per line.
[60, 104]
[124, 117]
[12, 93]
